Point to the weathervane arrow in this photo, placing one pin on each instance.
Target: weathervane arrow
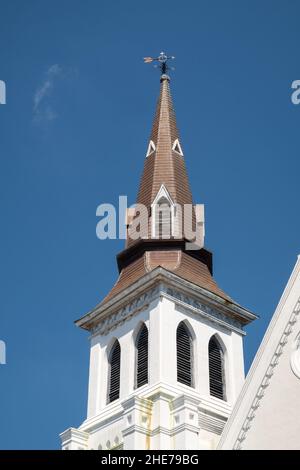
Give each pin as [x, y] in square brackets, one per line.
[162, 60]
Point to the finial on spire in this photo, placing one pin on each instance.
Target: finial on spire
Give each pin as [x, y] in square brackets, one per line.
[162, 60]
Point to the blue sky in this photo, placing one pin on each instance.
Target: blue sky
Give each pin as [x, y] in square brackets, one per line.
[74, 133]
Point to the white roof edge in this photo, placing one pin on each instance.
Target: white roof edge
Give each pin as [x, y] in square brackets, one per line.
[257, 371]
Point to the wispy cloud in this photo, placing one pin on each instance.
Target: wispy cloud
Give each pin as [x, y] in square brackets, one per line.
[42, 109]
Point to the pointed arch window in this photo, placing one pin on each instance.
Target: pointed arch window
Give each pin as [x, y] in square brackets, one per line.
[142, 357]
[162, 215]
[216, 369]
[184, 345]
[114, 363]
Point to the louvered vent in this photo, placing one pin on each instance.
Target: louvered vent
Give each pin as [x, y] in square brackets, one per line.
[142, 357]
[114, 372]
[184, 355]
[216, 369]
[163, 219]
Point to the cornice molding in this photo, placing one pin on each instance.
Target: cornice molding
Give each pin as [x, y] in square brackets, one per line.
[160, 275]
[211, 423]
[206, 311]
[126, 312]
[139, 403]
[267, 376]
[162, 290]
[74, 435]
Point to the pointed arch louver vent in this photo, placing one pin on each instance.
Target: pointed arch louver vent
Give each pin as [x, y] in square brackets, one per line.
[114, 372]
[163, 222]
[216, 369]
[142, 357]
[184, 355]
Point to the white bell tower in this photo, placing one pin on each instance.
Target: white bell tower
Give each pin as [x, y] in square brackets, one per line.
[166, 360]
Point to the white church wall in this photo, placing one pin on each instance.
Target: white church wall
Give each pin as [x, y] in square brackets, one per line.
[100, 348]
[109, 437]
[277, 424]
[164, 413]
[237, 370]
[94, 390]
[266, 413]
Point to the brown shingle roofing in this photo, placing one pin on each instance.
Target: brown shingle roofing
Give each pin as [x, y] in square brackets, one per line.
[163, 166]
[177, 262]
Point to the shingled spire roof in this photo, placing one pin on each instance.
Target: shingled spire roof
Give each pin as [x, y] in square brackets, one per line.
[164, 166]
[164, 163]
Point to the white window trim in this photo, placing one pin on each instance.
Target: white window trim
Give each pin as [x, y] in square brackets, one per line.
[162, 193]
[177, 144]
[151, 148]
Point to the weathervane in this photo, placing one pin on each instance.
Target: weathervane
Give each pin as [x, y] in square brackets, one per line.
[162, 59]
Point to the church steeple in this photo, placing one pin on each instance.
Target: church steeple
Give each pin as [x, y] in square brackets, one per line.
[164, 162]
[166, 361]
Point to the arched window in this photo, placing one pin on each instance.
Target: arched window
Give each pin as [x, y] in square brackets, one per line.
[184, 344]
[114, 362]
[142, 357]
[216, 369]
[162, 215]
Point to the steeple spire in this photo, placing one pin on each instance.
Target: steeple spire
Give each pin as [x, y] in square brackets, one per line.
[164, 162]
[164, 177]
